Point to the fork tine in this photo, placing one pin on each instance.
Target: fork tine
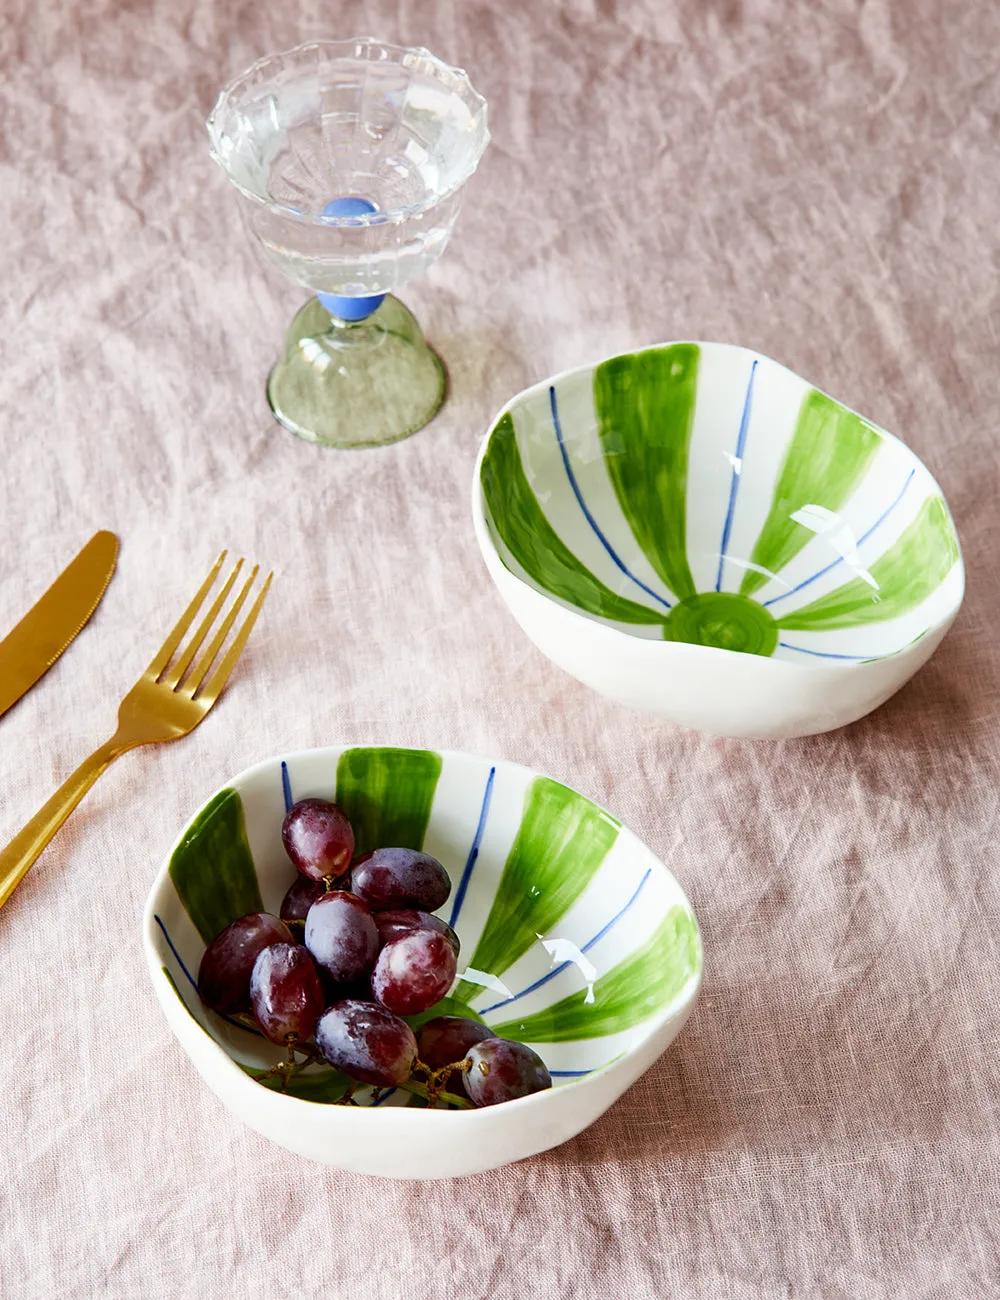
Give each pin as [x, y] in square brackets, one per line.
[221, 674]
[181, 666]
[187, 618]
[200, 672]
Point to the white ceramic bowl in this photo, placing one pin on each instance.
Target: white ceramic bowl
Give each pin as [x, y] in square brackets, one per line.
[575, 938]
[697, 532]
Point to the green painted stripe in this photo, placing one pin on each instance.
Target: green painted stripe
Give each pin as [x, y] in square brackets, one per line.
[320, 1085]
[562, 840]
[826, 460]
[387, 795]
[213, 870]
[645, 404]
[909, 571]
[533, 542]
[630, 993]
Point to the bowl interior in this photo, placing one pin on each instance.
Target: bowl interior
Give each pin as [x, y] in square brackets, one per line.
[704, 493]
[575, 938]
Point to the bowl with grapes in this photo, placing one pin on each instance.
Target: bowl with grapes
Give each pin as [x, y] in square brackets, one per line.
[554, 948]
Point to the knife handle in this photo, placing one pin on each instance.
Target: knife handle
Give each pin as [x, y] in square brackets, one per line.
[24, 849]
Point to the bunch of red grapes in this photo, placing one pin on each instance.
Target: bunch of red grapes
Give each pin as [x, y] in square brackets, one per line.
[372, 952]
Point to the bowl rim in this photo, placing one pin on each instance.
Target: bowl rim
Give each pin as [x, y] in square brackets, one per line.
[252, 1089]
[395, 216]
[491, 555]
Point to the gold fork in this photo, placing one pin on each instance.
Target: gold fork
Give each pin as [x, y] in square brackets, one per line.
[162, 705]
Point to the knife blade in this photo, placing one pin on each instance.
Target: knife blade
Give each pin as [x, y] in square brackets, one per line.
[55, 619]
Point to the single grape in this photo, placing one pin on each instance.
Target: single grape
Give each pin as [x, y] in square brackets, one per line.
[413, 971]
[503, 1070]
[301, 895]
[318, 838]
[446, 1040]
[227, 963]
[402, 920]
[341, 935]
[285, 993]
[394, 878]
[367, 1042]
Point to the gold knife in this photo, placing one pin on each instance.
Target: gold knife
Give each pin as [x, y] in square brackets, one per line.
[51, 624]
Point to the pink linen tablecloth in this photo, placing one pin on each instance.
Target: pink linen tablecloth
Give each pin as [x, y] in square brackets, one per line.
[818, 181]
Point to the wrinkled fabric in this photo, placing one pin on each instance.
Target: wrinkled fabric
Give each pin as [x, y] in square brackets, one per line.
[819, 182]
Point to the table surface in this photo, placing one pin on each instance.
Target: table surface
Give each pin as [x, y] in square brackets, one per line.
[819, 182]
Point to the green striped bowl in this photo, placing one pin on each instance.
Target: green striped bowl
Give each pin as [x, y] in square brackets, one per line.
[696, 531]
[575, 938]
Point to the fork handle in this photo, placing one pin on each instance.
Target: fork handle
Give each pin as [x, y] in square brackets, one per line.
[24, 849]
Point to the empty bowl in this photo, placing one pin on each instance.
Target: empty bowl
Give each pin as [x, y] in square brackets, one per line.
[695, 531]
[574, 937]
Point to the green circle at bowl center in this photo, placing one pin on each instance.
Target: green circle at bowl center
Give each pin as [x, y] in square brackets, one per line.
[724, 620]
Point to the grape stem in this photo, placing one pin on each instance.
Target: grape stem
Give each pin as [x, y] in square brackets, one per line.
[290, 1065]
[436, 1079]
[348, 1098]
[423, 1090]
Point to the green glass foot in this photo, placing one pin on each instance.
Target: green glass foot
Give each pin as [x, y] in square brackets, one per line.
[724, 620]
[356, 384]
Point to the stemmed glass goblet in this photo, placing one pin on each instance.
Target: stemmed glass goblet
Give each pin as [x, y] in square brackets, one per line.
[350, 158]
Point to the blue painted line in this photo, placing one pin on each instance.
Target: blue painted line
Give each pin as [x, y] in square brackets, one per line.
[180, 961]
[286, 785]
[584, 507]
[572, 1074]
[734, 482]
[192, 981]
[558, 970]
[840, 559]
[470, 861]
[823, 654]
